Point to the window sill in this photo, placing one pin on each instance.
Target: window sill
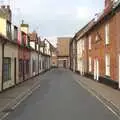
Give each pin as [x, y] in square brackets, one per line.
[106, 45]
[107, 76]
[6, 80]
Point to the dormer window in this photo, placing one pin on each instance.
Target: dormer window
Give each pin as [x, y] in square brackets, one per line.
[89, 39]
[96, 38]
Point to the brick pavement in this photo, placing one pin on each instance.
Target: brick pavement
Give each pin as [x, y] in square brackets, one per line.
[12, 96]
[112, 96]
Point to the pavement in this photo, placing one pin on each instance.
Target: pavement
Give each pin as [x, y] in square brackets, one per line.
[110, 96]
[62, 96]
[12, 97]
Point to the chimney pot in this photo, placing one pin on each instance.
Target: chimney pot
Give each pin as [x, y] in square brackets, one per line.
[3, 6]
[8, 6]
[22, 21]
[108, 3]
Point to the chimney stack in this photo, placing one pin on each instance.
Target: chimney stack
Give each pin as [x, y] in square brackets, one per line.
[6, 12]
[108, 4]
[3, 6]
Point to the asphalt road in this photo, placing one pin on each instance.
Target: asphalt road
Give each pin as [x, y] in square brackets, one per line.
[61, 98]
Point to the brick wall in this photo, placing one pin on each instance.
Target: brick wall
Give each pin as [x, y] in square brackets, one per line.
[99, 49]
[63, 46]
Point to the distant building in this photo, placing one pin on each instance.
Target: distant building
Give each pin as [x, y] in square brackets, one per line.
[98, 47]
[6, 13]
[22, 54]
[63, 52]
[54, 57]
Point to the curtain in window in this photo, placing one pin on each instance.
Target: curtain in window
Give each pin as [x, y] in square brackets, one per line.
[7, 69]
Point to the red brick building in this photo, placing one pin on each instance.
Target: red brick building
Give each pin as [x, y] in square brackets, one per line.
[101, 52]
[24, 58]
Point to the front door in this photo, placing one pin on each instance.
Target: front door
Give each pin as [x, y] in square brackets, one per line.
[96, 69]
[15, 71]
[119, 71]
[97, 64]
[64, 64]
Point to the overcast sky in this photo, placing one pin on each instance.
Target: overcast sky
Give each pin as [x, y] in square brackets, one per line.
[56, 17]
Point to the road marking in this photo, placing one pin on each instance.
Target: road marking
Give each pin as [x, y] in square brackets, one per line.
[29, 92]
[90, 91]
[22, 94]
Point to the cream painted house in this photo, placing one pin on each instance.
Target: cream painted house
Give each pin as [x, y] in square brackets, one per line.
[3, 26]
[80, 58]
[34, 63]
[10, 65]
[11, 61]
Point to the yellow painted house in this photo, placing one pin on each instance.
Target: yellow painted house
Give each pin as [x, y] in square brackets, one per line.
[5, 27]
[10, 76]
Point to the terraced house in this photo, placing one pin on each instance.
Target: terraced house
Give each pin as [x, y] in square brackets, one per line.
[98, 46]
[22, 54]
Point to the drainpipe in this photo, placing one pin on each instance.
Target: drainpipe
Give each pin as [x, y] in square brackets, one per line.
[76, 55]
[23, 62]
[38, 56]
[3, 46]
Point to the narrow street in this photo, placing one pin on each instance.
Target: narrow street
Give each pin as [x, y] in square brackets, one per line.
[61, 98]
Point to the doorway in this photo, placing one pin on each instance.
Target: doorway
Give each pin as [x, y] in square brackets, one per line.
[96, 69]
[119, 70]
[64, 64]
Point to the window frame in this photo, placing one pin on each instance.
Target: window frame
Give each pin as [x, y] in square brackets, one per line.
[90, 64]
[107, 65]
[90, 42]
[107, 34]
[7, 69]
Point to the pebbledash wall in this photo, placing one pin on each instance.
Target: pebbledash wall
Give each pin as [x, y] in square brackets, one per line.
[11, 51]
[20, 57]
[34, 63]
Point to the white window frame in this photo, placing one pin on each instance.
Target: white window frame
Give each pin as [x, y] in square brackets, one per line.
[90, 41]
[83, 44]
[107, 33]
[107, 65]
[90, 64]
[96, 38]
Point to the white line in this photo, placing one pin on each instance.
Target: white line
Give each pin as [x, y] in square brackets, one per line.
[106, 98]
[25, 97]
[108, 107]
[22, 94]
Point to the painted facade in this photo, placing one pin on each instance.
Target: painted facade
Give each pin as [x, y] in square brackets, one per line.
[73, 54]
[22, 54]
[0, 65]
[63, 59]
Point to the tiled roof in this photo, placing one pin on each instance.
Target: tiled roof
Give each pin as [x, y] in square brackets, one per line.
[94, 22]
[33, 36]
